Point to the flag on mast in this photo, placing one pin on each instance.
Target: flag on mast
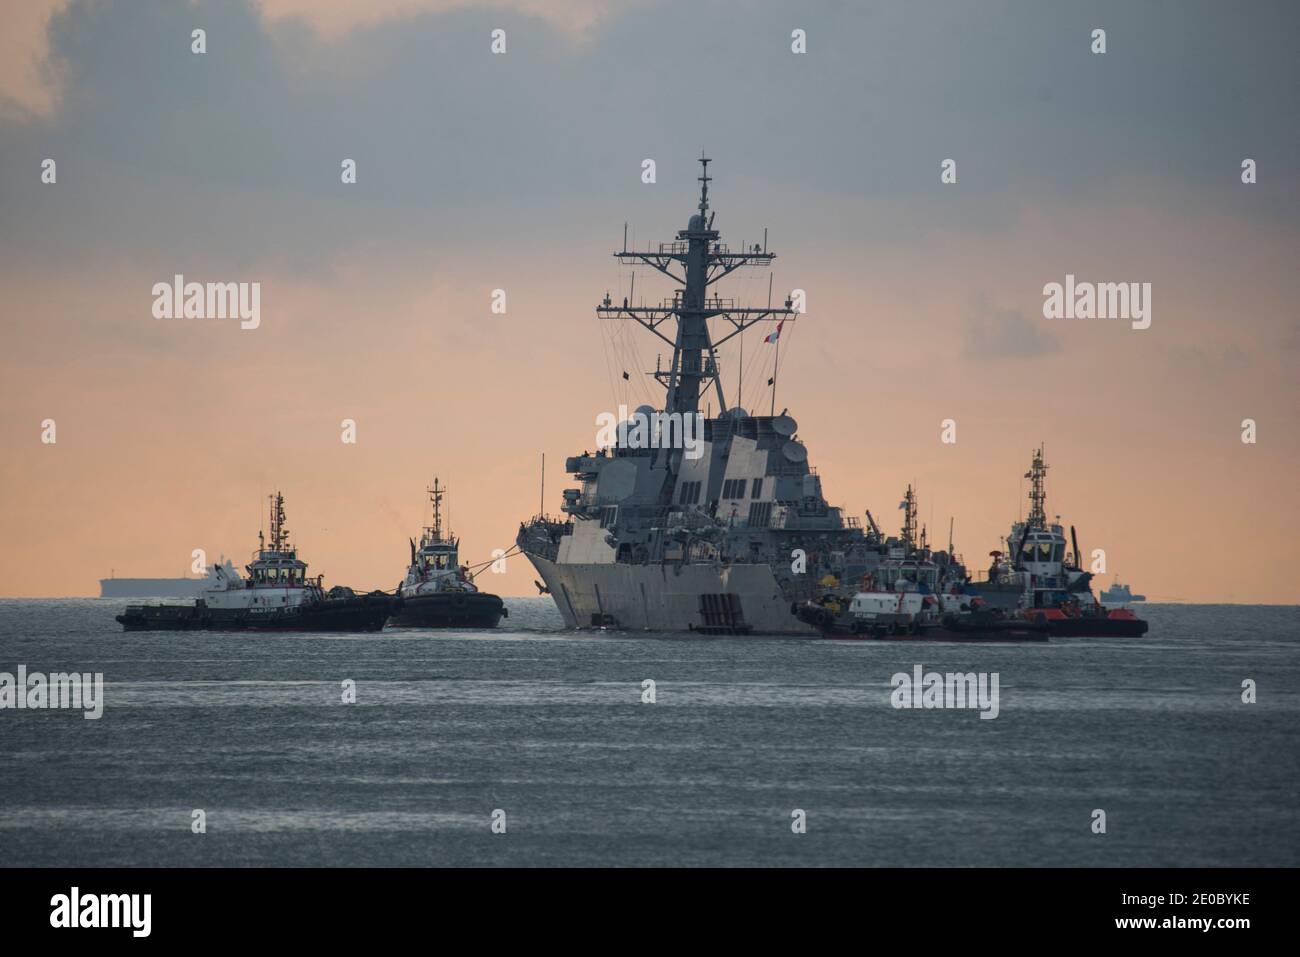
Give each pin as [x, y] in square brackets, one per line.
[777, 334]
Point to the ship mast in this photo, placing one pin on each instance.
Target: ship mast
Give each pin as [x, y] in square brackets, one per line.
[696, 260]
[1037, 494]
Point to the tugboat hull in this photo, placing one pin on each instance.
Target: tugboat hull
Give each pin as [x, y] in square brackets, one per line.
[358, 613]
[976, 628]
[450, 610]
[1113, 624]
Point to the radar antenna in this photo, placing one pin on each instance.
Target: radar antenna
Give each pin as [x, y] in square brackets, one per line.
[695, 261]
[1037, 494]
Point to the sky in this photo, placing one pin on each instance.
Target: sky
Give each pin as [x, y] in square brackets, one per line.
[517, 171]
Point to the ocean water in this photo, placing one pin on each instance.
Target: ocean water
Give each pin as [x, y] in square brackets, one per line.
[549, 727]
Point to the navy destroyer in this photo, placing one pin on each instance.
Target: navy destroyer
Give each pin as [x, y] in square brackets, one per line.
[277, 595]
[685, 522]
[438, 591]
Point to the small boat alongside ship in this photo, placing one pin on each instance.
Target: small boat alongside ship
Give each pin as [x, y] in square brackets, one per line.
[1035, 591]
[862, 619]
[277, 595]
[439, 592]
[915, 595]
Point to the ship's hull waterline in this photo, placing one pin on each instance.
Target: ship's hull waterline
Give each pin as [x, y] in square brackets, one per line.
[708, 599]
[976, 627]
[944, 635]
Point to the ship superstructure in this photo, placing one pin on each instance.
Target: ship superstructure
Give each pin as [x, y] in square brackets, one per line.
[1036, 570]
[435, 563]
[683, 522]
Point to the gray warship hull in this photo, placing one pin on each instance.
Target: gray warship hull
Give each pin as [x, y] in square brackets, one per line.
[705, 599]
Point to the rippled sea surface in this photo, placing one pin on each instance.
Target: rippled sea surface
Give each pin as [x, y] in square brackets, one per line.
[549, 727]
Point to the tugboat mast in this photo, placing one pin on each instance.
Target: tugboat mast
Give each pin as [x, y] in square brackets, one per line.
[279, 534]
[696, 260]
[436, 493]
[909, 521]
[1037, 495]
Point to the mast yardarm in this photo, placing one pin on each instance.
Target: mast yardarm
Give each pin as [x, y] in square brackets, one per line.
[695, 260]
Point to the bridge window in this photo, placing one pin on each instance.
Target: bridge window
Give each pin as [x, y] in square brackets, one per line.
[757, 491]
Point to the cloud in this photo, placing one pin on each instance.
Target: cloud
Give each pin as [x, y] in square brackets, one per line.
[1007, 334]
[333, 19]
[31, 85]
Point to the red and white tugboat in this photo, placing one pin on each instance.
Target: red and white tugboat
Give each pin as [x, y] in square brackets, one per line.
[916, 595]
[277, 595]
[1038, 581]
[439, 592]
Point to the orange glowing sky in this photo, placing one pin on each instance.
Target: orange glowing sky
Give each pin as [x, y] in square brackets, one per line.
[923, 305]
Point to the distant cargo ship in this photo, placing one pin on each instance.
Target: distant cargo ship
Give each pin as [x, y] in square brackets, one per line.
[1118, 594]
[115, 587]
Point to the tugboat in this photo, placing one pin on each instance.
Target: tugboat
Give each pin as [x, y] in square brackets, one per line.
[871, 616]
[438, 592]
[276, 596]
[1040, 582]
[1118, 594]
[915, 595]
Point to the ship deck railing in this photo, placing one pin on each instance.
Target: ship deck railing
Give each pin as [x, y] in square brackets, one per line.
[680, 247]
